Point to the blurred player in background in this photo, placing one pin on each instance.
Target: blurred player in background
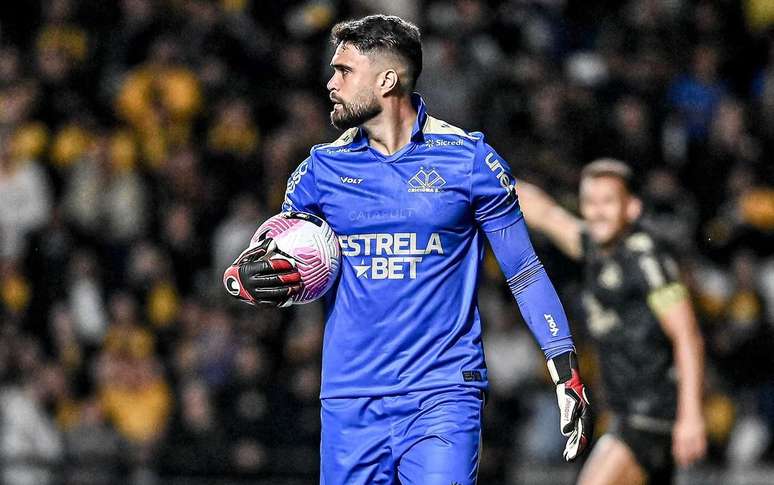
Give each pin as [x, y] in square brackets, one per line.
[411, 199]
[640, 316]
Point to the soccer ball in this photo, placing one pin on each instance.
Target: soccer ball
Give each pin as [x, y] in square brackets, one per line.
[311, 243]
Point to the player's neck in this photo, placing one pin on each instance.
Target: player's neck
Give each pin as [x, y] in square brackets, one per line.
[391, 129]
[611, 246]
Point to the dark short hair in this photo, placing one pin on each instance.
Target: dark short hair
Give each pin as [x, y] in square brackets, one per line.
[386, 33]
[610, 167]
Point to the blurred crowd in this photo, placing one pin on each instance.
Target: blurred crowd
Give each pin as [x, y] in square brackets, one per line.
[142, 141]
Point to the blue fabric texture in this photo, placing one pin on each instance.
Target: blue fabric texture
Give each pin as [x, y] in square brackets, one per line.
[403, 316]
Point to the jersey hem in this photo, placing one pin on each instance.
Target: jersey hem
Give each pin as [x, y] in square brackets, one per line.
[484, 386]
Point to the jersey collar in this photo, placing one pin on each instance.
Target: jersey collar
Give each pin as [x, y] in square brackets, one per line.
[419, 104]
[417, 136]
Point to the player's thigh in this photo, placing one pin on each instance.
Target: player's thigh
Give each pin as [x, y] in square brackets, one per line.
[611, 463]
[355, 443]
[443, 441]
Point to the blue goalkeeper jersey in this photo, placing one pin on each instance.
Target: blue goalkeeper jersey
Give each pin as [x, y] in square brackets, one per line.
[403, 315]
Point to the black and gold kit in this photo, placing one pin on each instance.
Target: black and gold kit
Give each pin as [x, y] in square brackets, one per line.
[625, 289]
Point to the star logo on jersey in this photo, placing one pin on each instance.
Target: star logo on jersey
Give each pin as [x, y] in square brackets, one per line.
[426, 181]
[362, 269]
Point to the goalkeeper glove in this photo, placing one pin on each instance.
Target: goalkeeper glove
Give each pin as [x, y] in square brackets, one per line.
[263, 275]
[574, 409]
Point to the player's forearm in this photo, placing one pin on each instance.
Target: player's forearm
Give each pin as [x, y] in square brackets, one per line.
[681, 326]
[544, 214]
[689, 359]
[535, 294]
[540, 306]
[535, 204]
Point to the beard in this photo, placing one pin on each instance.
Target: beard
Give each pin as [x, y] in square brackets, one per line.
[355, 113]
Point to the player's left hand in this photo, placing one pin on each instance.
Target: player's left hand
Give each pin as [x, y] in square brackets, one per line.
[574, 408]
[689, 440]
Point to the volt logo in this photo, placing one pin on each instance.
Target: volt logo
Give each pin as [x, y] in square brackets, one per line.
[552, 326]
[350, 180]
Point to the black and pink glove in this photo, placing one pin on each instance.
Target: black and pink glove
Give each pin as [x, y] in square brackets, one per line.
[263, 275]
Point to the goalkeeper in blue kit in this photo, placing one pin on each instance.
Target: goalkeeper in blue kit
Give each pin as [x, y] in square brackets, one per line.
[412, 199]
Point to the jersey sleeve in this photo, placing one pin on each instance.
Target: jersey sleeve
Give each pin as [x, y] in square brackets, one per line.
[493, 190]
[301, 191]
[531, 287]
[655, 273]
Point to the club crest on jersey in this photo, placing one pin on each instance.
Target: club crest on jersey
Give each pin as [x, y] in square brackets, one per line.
[426, 181]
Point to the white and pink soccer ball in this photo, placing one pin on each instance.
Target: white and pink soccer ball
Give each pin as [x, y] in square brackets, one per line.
[311, 243]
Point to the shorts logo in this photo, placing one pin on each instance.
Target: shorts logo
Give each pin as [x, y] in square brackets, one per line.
[424, 181]
[350, 180]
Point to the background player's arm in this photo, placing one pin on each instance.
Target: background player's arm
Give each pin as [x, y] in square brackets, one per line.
[679, 323]
[545, 215]
[670, 302]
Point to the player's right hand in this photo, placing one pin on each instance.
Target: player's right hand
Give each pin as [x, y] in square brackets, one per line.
[260, 275]
[574, 408]
[689, 439]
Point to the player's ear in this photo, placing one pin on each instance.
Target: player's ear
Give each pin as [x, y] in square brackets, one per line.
[633, 208]
[388, 81]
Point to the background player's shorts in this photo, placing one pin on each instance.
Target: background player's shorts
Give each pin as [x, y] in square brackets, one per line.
[419, 438]
[652, 449]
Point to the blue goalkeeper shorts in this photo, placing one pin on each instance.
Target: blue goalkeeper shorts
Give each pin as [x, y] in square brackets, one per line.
[419, 438]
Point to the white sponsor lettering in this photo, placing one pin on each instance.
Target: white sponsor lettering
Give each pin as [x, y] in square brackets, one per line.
[386, 244]
[293, 181]
[350, 180]
[392, 256]
[437, 142]
[394, 268]
[498, 170]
